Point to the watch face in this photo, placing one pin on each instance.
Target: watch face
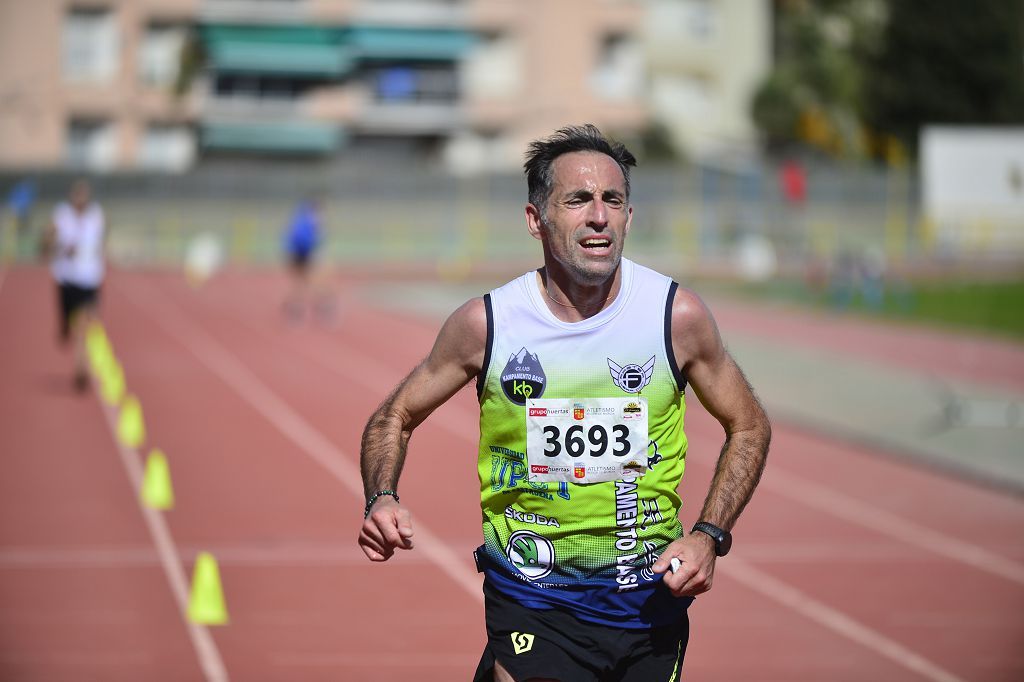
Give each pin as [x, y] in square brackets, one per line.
[724, 544]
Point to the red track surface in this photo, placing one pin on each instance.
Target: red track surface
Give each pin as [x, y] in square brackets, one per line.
[847, 566]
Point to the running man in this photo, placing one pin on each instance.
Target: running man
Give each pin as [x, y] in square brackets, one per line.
[75, 242]
[581, 369]
[303, 237]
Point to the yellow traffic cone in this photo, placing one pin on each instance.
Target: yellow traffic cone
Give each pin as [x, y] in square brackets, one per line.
[112, 381]
[98, 360]
[206, 602]
[131, 430]
[98, 346]
[157, 492]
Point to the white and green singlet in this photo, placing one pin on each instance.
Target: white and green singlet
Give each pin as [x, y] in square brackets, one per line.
[581, 451]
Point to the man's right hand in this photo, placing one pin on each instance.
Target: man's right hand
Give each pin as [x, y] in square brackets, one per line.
[388, 527]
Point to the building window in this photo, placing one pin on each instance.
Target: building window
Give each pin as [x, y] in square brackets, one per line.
[619, 72]
[90, 44]
[262, 88]
[400, 83]
[494, 69]
[160, 54]
[683, 23]
[167, 148]
[701, 21]
[91, 144]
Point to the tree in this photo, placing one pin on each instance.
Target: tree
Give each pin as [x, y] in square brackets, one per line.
[813, 94]
[947, 61]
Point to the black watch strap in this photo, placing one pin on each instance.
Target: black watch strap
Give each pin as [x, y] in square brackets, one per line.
[722, 538]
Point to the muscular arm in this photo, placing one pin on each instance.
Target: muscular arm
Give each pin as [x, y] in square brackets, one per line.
[455, 359]
[723, 390]
[721, 387]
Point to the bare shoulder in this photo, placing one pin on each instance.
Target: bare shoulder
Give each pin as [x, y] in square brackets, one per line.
[469, 320]
[694, 331]
[463, 337]
[688, 308]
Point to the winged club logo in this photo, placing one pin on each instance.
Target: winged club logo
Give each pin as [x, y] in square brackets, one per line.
[631, 378]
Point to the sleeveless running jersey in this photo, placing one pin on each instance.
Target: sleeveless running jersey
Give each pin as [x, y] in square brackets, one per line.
[84, 232]
[584, 548]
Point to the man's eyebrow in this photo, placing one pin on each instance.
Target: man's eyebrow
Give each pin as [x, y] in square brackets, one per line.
[583, 193]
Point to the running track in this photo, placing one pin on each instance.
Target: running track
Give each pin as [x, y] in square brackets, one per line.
[848, 565]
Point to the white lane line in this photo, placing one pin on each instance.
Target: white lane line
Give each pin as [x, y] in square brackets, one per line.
[291, 424]
[371, 374]
[836, 621]
[206, 650]
[836, 503]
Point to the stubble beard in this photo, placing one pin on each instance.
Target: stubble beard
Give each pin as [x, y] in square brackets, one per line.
[589, 272]
[579, 267]
[585, 273]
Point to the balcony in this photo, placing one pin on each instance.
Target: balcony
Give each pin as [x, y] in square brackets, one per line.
[410, 118]
[281, 137]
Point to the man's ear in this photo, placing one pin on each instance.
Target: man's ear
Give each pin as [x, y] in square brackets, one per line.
[629, 218]
[534, 223]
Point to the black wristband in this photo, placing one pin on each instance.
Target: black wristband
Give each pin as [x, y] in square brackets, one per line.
[722, 538]
[373, 498]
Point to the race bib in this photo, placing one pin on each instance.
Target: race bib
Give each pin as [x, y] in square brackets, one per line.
[586, 440]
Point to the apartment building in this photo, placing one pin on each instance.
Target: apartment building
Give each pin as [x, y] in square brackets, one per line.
[97, 84]
[88, 85]
[705, 59]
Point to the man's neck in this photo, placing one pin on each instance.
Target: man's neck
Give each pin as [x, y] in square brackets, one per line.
[573, 302]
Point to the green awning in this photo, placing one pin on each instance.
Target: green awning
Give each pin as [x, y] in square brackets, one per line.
[287, 50]
[324, 51]
[370, 42]
[284, 138]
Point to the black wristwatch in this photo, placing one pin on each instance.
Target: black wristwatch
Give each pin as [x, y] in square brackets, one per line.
[722, 538]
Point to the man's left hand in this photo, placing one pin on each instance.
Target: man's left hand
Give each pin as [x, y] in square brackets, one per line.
[696, 555]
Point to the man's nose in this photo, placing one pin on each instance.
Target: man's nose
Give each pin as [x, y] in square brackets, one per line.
[598, 214]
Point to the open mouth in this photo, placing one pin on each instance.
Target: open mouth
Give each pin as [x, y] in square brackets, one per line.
[596, 243]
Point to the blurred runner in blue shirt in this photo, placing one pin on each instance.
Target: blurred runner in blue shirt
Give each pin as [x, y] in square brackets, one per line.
[302, 238]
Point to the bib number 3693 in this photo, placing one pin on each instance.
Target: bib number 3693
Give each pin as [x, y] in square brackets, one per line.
[586, 441]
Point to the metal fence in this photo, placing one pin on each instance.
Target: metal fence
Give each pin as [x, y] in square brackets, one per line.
[687, 217]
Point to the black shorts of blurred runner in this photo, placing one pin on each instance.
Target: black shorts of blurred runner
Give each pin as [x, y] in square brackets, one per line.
[72, 299]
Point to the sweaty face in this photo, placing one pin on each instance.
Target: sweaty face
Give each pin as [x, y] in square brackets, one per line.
[587, 217]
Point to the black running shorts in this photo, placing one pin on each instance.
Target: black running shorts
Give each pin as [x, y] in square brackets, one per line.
[553, 644]
[72, 298]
